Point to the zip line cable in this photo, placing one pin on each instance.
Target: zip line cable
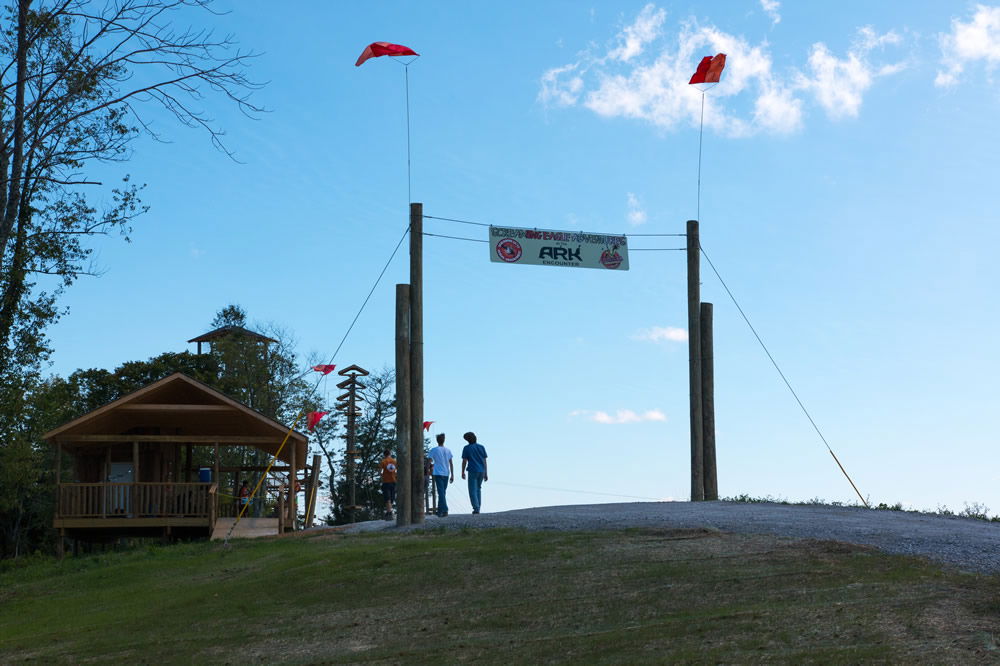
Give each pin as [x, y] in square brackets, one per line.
[783, 378]
[451, 219]
[485, 224]
[473, 240]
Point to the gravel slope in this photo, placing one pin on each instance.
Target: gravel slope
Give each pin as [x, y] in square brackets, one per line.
[969, 544]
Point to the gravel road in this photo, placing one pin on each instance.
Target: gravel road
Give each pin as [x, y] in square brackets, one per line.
[969, 544]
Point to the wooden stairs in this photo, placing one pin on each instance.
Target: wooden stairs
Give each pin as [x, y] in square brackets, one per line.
[249, 528]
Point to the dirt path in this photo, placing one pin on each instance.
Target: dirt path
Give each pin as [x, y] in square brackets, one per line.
[969, 544]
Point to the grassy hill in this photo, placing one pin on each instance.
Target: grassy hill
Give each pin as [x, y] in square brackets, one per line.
[499, 596]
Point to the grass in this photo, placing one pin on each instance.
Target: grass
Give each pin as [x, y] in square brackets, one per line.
[976, 510]
[496, 596]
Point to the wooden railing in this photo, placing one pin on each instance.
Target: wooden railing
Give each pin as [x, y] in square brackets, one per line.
[137, 500]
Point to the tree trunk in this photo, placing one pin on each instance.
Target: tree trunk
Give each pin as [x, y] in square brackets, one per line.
[17, 159]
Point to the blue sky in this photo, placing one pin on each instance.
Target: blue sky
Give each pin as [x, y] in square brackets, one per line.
[848, 200]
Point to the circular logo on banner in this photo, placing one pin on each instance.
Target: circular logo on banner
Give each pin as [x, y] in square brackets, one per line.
[509, 250]
[611, 259]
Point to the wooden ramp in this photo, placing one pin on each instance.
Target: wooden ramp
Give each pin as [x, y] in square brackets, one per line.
[249, 528]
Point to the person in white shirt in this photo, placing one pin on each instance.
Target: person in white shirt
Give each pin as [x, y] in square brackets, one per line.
[443, 469]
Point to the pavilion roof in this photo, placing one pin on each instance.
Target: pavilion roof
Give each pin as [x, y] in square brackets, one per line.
[180, 410]
[226, 331]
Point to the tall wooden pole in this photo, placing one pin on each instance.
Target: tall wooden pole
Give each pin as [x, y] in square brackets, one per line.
[292, 493]
[416, 362]
[694, 359]
[351, 459]
[708, 403]
[403, 420]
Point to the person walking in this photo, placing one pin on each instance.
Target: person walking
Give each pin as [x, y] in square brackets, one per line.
[474, 458]
[443, 469]
[388, 469]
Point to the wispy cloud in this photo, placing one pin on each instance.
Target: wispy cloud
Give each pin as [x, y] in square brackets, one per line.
[635, 215]
[771, 8]
[634, 38]
[644, 76]
[839, 84]
[620, 416]
[969, 41]
[662, 334]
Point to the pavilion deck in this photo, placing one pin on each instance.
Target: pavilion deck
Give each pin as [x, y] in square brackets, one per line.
[140, 505]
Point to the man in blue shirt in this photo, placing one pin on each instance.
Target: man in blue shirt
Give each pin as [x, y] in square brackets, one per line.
[443, 468]
[474, 461]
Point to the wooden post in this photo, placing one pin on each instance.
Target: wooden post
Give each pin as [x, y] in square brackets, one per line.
[281, 511]
[312, 490]
[708, 403]
[694, 360]
[187, 464]
[135, 478]
[416, 363]
[104, 486]
[215, 470]
[58, 509]
[352, 482]
[403, 421]
[292, 495]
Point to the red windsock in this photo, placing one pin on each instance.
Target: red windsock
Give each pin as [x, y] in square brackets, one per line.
[313, 418]
[709, 69]
[376, 49]
[325, 369]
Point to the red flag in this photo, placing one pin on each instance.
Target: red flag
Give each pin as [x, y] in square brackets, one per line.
[427, 425]
[314, 418]
[325, 369]
[709, 69]
[376, 49]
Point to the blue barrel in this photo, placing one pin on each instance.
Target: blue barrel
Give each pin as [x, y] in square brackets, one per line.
[205, 474]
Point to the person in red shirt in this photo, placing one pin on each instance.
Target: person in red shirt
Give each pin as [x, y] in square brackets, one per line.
[244, 497]
[388, 469]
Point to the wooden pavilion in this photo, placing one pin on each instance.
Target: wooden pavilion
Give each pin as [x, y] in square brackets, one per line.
[134, 463]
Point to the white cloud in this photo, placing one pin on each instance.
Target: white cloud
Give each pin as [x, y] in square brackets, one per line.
[620, 416]
[770, 8]
[644, 76]
[662, 334]
[560, 92]
[839, 84]
[635, 37]
[976, 39]
[636, 215]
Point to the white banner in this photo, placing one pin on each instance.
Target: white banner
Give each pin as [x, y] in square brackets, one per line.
[544, 247]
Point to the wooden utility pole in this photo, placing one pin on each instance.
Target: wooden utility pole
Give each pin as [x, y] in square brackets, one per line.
[694, 358]
[312, 491]
[403, 463]
[416, 363]
[708, 403]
